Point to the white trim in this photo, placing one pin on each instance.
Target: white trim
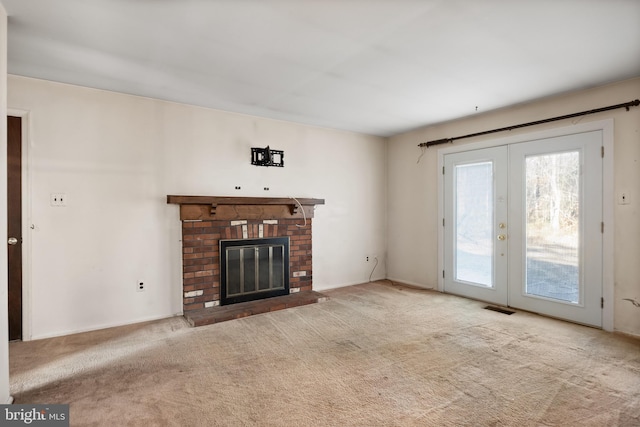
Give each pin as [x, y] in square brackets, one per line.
[608, 198]
[26, 222]
[107, 326]
[409, 282]
[440, 225]
[608, 206]
[320, 288]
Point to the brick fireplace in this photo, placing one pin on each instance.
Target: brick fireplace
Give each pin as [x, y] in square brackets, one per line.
[208, 220]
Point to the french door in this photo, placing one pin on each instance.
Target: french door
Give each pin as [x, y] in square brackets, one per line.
[522, 226]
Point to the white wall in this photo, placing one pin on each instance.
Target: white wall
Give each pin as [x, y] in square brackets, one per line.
[4, 315]
[413, 198]
[118, 156]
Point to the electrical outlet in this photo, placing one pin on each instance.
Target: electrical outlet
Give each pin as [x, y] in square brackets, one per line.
[623, 198]
[140, 286]
[58, 199]
[366, 258]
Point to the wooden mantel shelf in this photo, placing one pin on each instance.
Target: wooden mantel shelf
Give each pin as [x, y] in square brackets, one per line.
[193, 208]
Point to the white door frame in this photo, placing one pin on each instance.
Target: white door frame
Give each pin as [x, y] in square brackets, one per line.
[608, 198]
[26, 220]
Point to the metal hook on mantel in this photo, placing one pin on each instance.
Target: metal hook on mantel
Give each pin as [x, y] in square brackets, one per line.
[626, 105]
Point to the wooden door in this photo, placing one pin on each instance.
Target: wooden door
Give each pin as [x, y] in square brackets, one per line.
[14, 225]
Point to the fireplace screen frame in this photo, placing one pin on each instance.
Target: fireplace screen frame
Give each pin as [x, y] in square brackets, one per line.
[255, 248]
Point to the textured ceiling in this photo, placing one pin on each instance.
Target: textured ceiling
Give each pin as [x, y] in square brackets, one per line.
[376, 66]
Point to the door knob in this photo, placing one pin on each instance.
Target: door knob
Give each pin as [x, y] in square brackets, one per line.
[502, 236]
[12, 241]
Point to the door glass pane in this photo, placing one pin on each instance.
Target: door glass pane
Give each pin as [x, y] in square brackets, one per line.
[263, 267]
[249, 269]
[553, 225]
[277, 267]
[234, 264]
[474, 223]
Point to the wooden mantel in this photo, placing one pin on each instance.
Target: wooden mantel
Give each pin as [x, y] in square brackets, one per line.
[193, 208]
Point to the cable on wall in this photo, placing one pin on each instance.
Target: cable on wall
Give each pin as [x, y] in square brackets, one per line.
[304, 215]
[424, 150]
[626, 105]
[373, 269]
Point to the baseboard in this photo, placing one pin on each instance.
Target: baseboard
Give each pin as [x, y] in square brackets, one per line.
[408, 282]
[320, 288]
[103, 326]
[627, 334]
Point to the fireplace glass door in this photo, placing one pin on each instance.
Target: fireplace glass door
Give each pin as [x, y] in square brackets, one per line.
[254, 269]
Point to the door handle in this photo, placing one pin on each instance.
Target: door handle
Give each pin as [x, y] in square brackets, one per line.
[12, 241]
[502, 236]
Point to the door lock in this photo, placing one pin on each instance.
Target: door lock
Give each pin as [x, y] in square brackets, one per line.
[502, 236]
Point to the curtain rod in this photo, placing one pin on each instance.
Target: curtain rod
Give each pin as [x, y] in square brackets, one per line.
[626, 105]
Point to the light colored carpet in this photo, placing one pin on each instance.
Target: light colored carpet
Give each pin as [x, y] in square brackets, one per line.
[373, 355]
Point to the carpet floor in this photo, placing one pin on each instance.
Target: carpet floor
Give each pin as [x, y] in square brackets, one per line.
[373, 355]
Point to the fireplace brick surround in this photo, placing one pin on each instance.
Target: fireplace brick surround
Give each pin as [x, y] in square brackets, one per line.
[208, 219]
[201, 257]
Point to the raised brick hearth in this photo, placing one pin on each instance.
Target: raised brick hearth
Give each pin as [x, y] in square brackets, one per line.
[207, 220]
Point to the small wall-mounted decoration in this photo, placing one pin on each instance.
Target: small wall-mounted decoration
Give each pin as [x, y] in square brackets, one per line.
[267, 157]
